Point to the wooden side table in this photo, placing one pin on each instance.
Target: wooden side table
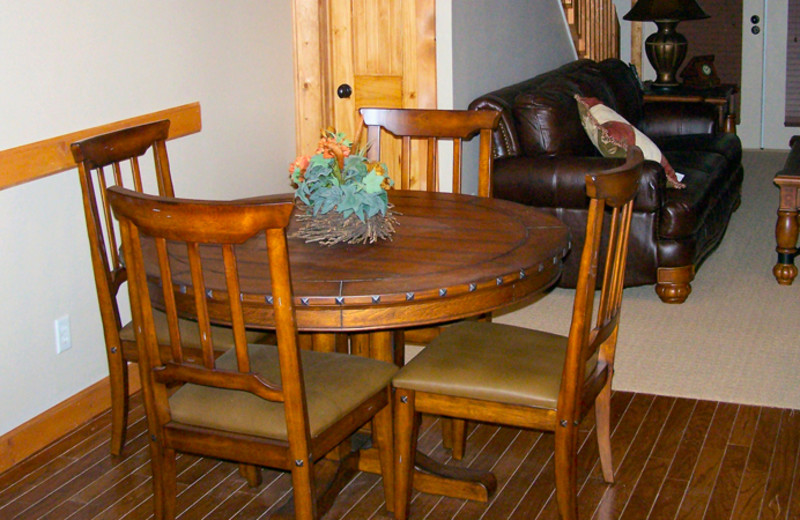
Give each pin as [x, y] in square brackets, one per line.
[788, 225]
[722, 97]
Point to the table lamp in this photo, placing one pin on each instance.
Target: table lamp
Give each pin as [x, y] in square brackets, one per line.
[666, 48]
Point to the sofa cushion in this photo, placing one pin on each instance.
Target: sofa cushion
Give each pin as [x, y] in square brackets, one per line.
[667, 119]
[548, 124]
[545, 113]
[626, 86]
[727, 145]
[707, 176]
[560, 182]
[613, 135]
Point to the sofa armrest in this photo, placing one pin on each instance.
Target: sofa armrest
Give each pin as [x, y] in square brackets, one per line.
[560, 182]
[505, 142]
[670, 118]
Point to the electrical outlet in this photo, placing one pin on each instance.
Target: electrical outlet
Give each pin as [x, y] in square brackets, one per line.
[63, 335]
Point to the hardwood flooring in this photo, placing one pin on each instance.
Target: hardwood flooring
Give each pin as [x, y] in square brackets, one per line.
[674, 459]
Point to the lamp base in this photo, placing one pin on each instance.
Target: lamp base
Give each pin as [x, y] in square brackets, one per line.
[666, 50]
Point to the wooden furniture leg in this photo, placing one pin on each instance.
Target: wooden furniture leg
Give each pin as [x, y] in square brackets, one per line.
[431, 476]
[252, 474]
[787, 228]
[674, 283]
[323, 342]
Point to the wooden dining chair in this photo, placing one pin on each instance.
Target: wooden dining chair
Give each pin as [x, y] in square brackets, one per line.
[525, 378]
[420, 131]
[114, 159]
[263, 405]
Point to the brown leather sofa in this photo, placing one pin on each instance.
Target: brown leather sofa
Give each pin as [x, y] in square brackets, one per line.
[542, 154]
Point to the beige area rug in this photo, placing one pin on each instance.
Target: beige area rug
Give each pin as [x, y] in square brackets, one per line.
[737, 337]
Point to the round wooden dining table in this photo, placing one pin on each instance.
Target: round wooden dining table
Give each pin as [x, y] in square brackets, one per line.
[451, 257]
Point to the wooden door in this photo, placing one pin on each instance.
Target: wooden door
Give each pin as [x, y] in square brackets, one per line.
[385, 52]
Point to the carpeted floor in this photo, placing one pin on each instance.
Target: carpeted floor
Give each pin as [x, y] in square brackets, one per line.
[737, 337]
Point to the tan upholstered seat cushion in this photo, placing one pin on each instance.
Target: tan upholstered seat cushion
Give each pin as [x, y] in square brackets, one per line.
[335, 384]
[222, 337]
[490, 361]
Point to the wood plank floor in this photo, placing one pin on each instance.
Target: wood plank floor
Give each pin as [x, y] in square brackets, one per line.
[674, 458]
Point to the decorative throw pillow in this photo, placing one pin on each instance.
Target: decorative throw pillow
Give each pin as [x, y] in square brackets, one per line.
[613, 135]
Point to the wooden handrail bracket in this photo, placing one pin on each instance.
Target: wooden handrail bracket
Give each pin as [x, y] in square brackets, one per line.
[42, 158]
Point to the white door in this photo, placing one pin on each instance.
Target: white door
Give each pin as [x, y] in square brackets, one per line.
[763, 86]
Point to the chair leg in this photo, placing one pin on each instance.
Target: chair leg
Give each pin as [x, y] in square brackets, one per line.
[162, 465]
[602, 411]
[169, 483]
[118, 380]
[382, 424]
[399, 350]
[447, 432]
[305, 495]
[252, 474]
[406, 428]
[459, 434]
[566, 462]
[454, 436]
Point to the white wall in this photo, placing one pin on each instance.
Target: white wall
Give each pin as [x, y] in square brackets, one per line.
[505, 41]
[66, 66]
[622, 7]
[499, 43]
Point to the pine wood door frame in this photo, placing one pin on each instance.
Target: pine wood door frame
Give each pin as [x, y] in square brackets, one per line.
[314, 90]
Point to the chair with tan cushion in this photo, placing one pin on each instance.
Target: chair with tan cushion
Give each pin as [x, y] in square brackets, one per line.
[410, 138]
[258, 405]
[525, 378]
[114, 159]
[407, 139]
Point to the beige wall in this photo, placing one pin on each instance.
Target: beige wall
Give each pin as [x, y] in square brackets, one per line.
[71, 65]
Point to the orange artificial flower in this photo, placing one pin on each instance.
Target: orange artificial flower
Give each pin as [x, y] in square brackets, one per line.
[301, 162]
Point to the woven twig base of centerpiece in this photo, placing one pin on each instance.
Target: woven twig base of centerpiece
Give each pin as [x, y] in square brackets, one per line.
[331, 228]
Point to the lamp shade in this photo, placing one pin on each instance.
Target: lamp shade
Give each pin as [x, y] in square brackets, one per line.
[647, 10]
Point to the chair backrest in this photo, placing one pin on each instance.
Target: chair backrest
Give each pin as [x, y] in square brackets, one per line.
[119, 151]
[420, 130]
[211, 228]
[591, 334]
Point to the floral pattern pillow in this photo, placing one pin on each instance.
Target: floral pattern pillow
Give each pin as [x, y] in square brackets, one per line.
[613, 135]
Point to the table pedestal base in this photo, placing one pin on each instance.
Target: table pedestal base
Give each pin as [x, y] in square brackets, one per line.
[438, 479]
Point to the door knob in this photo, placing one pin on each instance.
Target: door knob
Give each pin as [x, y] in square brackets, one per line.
[344, 90]
[755, 29]
[755, 19]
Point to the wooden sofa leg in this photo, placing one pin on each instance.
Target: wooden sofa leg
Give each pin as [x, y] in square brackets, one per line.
[674, 283]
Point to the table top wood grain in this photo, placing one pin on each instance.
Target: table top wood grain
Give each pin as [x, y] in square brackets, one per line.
[452, 256]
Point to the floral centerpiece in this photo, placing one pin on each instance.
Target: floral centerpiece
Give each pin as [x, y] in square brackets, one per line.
[341, 194]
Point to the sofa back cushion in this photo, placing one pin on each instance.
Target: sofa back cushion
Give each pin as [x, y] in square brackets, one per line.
[539, 115]
[627, 88]
[547, 117]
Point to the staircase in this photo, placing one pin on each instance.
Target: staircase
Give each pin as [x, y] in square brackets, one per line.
[594, 27]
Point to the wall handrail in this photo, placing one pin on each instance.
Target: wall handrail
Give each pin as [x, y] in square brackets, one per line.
[36, 160]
